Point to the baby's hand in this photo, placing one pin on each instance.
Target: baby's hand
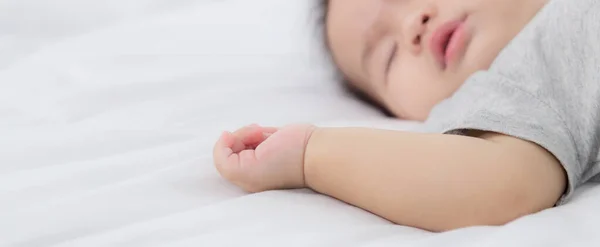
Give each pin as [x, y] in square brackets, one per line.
[259, 159]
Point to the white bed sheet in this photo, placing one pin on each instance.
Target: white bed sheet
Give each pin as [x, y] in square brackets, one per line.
[108, 112]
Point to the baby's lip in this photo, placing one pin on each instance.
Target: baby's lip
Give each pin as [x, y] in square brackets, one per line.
[440, 41]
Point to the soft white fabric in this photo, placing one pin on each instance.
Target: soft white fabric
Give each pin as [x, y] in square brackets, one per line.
[109, 109]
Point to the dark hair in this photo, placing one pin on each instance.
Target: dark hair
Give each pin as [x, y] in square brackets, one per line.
[323, 9]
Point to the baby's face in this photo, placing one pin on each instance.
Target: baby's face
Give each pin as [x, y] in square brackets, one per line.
[409, 55]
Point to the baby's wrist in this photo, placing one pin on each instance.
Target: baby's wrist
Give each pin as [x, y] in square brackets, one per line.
[309, 141]
[311, 129]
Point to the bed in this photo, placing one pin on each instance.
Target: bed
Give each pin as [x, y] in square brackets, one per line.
[109, 110]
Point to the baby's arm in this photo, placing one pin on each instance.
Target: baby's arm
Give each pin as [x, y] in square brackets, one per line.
[432, 181]
[429, 181]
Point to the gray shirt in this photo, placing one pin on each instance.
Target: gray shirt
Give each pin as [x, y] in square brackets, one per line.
[544, 87]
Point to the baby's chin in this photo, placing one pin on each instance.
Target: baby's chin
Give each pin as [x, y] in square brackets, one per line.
[413, 111]
[416, 103]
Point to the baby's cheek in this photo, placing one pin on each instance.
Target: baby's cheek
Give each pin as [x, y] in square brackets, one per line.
[415, 101]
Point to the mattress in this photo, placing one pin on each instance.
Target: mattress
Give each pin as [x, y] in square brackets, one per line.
[109, 110]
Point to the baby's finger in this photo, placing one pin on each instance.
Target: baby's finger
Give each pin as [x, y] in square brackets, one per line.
[239, 136]
[245, 130]
[222, 149]
[225, 159]
[250, 137]
[248, 159]
[226, 140]
[269, 130]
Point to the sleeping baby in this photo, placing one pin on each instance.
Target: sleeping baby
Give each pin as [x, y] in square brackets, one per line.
[509, 91]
